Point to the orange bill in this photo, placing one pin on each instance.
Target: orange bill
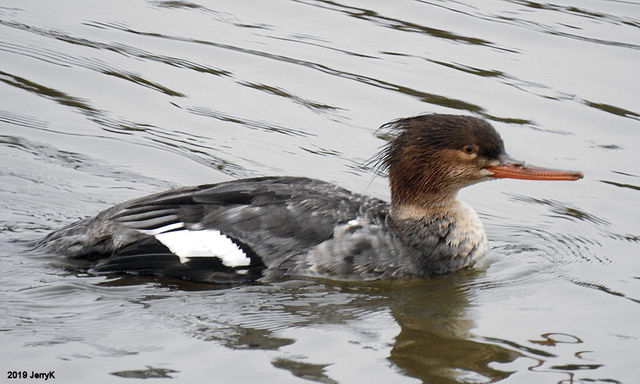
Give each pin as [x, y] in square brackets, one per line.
[518, 170]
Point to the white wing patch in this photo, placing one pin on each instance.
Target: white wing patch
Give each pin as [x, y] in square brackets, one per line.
[205, 243]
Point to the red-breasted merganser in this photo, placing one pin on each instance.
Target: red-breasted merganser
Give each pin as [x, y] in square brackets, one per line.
[262, 229]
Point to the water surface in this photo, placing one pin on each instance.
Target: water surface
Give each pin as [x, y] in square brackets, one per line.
[107, 101]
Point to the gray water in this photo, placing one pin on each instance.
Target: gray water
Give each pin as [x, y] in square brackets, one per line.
[106, 101]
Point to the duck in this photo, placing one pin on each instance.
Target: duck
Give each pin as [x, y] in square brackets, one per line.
[265, 229]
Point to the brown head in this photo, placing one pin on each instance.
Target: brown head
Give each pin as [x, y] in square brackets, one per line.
[433, 156]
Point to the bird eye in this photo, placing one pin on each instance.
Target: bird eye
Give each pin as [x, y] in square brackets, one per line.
[470, 149]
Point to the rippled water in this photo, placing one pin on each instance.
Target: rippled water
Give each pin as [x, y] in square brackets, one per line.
[106, 101]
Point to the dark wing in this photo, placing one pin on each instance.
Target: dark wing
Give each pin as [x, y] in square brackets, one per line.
[267, 219]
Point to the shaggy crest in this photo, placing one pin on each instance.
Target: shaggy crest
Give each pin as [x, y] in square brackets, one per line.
[434, 131]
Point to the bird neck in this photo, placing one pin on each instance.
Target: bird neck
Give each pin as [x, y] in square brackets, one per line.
[425, 207]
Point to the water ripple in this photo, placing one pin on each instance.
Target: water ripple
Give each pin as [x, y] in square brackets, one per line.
[401, 25]
[50, 93]
[426, 97]
[246, 123]
[312, 105]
